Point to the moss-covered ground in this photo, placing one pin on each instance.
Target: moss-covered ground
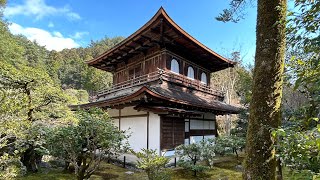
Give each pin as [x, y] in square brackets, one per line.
[224, 169]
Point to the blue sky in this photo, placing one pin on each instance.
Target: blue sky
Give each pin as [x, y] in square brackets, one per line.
[74, 23]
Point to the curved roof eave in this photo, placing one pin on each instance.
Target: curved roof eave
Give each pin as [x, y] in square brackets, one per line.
[161, 12]
[145, 89]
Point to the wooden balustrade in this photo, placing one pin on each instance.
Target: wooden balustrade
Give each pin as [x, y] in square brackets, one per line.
[161, 74]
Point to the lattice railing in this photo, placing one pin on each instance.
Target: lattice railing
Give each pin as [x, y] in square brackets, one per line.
[161, 75]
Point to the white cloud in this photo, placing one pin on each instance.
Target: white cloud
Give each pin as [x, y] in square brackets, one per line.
[40, 9]
[52, 41]
[57, 34]
[79, 35]
[50, 25]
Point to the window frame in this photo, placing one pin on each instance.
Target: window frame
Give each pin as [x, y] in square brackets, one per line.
[178, 66]
[193, 72]
[206, 78]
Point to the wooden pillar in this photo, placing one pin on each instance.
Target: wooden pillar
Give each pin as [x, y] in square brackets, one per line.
[119, 119]
[148, 130]
[173, 129]
[189, 129]
[161, 119]
[202, 127]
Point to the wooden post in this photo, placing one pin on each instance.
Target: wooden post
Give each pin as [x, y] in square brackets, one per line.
[175, 161]
[195, 161]
[148, 130]
[119, 119]
[124, 161]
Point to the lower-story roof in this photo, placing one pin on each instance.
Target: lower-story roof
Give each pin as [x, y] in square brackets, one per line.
[166, 95]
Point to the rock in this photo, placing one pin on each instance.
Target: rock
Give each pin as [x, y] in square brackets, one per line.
[129, 172]
[239, 167]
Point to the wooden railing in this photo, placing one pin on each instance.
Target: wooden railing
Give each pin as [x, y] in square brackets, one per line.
[160, 75]
[188, 82]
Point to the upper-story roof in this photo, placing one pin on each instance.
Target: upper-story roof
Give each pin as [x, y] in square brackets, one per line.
[161, 31]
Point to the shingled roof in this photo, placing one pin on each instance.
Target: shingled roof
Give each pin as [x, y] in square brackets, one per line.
[160, 30]
[169, 95]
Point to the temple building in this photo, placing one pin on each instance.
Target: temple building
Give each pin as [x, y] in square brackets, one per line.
[161, 89]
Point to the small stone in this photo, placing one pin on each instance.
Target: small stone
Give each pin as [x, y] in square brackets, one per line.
[129, 172]
[239, 168]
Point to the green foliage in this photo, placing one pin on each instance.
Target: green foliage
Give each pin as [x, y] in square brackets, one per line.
[29, 97]
[77, 96]
[228, 145]
[87, 143]
[208, 151]
[299, 150]
[234, 13]
[73, 72]
[244, 84]
[298, 140]
[304, 40]
[153, 164]
[304, 25]
[11, 167]
[99, 47]
[189, 157]
[240, 129]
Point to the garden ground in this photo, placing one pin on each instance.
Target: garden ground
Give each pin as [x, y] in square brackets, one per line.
[225, 169]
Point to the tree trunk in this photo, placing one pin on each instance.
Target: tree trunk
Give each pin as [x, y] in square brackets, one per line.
[265, 114]
[81, 173]
[279, 170]
[66, 165]
[29, 159]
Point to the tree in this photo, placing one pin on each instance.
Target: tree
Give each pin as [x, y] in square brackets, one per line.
[225, 81]
[30, 98]
[265, 114]
[298, 139]
[260, 162]
[88, 142]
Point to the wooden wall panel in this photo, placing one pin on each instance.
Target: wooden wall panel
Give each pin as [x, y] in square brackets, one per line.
[172, 132]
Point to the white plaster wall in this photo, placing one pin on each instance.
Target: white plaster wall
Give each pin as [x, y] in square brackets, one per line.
[130, 111]
[137, 126]
[154, 131]
[113, 112]
[186, 127]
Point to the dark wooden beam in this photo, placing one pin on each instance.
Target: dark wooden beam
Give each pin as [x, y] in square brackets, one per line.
[161, 33]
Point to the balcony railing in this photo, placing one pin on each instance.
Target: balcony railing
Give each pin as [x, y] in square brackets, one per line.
[160, 75]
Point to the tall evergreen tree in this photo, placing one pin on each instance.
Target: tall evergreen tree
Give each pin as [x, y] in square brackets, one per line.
[260, 162]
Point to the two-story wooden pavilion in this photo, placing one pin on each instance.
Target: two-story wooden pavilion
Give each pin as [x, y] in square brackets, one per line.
[161, 90]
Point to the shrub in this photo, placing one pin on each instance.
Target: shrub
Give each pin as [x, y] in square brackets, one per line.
[153, 164]
[299, 150]
[11, 167]
[228, 145]
[189, 156]
[208, 151]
